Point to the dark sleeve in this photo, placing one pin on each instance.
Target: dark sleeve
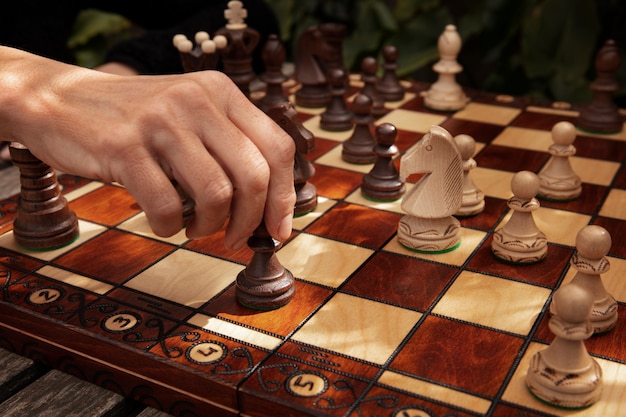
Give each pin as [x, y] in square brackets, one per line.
[153, 52]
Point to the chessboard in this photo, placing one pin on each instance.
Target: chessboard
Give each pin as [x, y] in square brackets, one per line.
[374, 329]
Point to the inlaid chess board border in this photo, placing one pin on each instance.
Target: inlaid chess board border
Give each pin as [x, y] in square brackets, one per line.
[269, 362]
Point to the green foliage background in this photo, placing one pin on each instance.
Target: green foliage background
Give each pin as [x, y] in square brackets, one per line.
[540, 48]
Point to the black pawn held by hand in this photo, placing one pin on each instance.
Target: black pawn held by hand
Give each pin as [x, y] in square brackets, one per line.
[265, 284]
[44, 221]
[383, 182]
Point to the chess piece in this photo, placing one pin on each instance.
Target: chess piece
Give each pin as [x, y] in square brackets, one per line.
[428, 225]
[369, 68]
[388, 86]
[273, 55]
[473, 201]
[189, 205]
[383, 182]
[359, 147]
[264, 284]
[333, 34]
[204, 55]
[337, 117]
[241, 42]
[602, 115]
[592, 245]
[310, 73]
[564, 374]
[44, 220]
[286, 117]
[520, 240]
[445, 94]
[558, 181]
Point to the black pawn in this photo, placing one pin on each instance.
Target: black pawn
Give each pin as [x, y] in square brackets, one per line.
[383, 182]
[602, 115]
[369, 68]
[264, 284]
[359, 147]
[44, 220]
[388, 86]
[273, 57]
[337, 117]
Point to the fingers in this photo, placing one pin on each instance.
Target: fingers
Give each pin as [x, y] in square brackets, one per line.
[154, 192]
[277, 149]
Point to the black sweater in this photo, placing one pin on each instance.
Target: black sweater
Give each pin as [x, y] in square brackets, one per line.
[44, 28]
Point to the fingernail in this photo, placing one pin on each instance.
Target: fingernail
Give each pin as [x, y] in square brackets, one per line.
[285, 227]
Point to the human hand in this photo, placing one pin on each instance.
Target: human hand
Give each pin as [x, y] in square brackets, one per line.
[145, 131]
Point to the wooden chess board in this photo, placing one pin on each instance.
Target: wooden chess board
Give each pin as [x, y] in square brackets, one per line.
[374, 329]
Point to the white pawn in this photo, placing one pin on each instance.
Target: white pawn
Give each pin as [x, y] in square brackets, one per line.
[446, 94]
[592, 245]
[520, 240]
[564, 374]
[473, 198]
[558, 181]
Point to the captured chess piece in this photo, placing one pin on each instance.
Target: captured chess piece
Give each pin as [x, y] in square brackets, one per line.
[273, 55]
[558, 181]
[264, 284]
[473, 201]
[520, 240]
[446, 94]
[44, 220]
[369, 68]
[241, 42]
[564, 374]
[204, 55]
[286, 117]
[592, 244]
[388, 86]
[383, 182]
[429, 225]
[337, 117]
[602, 115]
[359, 147]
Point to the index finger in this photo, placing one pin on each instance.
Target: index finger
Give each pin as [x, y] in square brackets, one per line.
[278, 149]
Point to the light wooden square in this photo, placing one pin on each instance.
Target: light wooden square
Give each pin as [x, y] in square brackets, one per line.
[493, 183]
[333, 158]
[560, 226]
[358, 327]
[320, 260]
[186, 277]
[493, 302]
[615, 205]
[594, 171]
[313, 125]
[611, 403]
[613, 280]
[323, 205]
[87, 231]
[488, 113]
[411, 121]
[139, 225]
[523, 138]
[470, 240]
[437, 392]
[235, 331]
[76, 280]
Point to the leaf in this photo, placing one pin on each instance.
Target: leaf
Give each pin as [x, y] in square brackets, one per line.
[284, 12]
[91, 23]
[417, 40]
